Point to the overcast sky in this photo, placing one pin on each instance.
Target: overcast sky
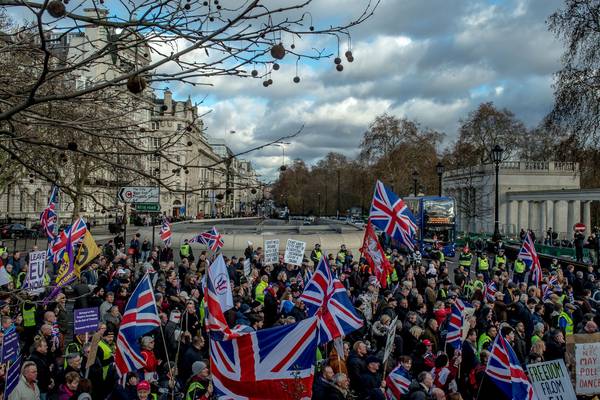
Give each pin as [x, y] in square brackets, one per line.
[428, 60]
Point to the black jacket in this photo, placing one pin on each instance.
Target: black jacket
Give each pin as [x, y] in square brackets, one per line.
[356, 367]
[44, 367]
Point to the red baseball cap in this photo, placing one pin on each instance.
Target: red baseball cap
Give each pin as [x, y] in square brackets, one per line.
[427, 342]
[143, 385]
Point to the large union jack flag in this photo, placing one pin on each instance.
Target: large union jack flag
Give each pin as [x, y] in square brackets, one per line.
[213, 239]
[505, 371]
[397, 382]
[455, 323]
[531, 259]
[391, 215]
[75, 232]
[275, 363]
[139, 318]
[326, 297]
[49, 216]
[165, 232]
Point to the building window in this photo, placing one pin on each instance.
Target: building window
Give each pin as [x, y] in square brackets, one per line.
[154, 125]
[156, 143]
[179, 127]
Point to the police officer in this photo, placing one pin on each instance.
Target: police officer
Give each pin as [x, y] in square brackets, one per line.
[519, 270]
[565, 319]
[500, 258]
[185, 251]
[465, 258]
[3, 248]
[316, 254]
[483, 266]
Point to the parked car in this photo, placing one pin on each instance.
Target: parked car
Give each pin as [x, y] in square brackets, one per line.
[16, 231]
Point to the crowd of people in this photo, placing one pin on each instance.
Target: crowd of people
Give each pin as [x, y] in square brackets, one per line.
[418, 296]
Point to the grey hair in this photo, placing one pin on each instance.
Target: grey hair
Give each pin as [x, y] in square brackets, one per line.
[339, 378]
[539, 327]
[146, 340]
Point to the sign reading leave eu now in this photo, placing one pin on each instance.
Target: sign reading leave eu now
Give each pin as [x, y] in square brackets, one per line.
[551, 380]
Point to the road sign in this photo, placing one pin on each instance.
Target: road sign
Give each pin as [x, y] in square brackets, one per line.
[147, 207]
[139, 194]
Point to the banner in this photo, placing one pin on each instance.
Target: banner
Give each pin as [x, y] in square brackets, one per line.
[37, 269]
[86, 320]
[88, 251]
[587, 368]
[390, 340]
[294, 252]
[551, 380]
[271, 251]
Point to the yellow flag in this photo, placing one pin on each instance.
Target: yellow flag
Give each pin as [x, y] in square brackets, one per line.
[88, 250]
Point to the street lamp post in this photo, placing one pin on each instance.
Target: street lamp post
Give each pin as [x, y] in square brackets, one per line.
[497, 159]
[415, 176]
[439, 168]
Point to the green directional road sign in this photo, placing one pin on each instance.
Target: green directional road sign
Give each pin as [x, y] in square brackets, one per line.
[147, 207]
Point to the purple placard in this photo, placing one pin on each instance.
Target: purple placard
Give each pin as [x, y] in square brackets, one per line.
[86, 320]
[10, 345]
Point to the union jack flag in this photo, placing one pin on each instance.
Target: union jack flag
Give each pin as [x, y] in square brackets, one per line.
[490, 291]
[74, 232]
[505, 371]
[165, 232]
[49, 216]
[397, 382]
[391, 215]
[140, 317]
[213, 239]
[326, 297]
[275, 363]
[531, 259]
[454, 335]
[219, 298]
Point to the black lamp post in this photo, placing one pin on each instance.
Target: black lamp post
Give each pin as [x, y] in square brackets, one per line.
[415, 176]
[439, 168]
[497, 159]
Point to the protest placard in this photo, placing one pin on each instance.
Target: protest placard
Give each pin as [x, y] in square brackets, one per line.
[271, 251]
[587, 368]
[390, 340]
[10, 345]
[551, 380]
[86, 320]
[36, 271]
[294, 252]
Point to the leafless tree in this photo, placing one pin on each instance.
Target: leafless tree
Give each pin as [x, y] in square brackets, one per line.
[68, 96]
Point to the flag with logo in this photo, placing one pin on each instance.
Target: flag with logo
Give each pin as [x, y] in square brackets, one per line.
[373, 253]
[166, 234]
[219, 298]
[88, 251]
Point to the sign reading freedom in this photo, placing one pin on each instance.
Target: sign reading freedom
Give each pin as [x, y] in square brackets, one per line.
[551, 380]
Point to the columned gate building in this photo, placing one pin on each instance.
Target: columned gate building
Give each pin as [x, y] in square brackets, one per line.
[532, 194]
